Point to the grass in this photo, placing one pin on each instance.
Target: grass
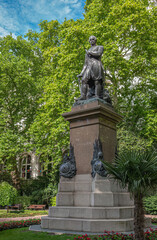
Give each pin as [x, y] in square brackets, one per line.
[25, 234]
[21, 213]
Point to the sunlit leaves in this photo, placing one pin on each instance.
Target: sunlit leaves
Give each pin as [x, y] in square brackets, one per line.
[20, 88]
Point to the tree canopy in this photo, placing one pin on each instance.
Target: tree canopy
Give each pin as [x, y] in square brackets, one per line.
[20, 90]
[39, 83]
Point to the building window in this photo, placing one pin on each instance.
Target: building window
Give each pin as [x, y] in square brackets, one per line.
[26, 169]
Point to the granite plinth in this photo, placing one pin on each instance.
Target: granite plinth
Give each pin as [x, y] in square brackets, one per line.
[90, 205]
[86, 204]
[89, 122]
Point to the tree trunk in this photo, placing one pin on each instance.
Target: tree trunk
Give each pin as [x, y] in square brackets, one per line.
[7, 209]
[139, 217]
[16, 178]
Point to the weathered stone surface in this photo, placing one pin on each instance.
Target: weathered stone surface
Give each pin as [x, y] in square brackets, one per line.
[91, 205]
[65, 199]
[88, 225]
[89, 122]
[86, 204]
[92, 212]
[109, 199]
[82, 190]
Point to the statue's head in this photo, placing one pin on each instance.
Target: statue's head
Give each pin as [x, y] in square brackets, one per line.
[92, 40]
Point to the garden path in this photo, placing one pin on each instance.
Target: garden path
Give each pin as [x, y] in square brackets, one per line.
[20, 218]
[39, 216]
[151, 216]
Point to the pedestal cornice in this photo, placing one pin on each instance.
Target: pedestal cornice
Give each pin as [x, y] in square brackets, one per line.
[93, 109]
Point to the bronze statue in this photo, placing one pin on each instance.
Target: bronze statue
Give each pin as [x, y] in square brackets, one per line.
[93, 72]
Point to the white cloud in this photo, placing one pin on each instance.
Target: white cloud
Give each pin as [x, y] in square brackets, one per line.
[20, 15]
[67, 10]
[69, 1]
[8, 21]
[4, 32]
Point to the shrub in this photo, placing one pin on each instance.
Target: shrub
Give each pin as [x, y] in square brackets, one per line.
[24, 200]
[150, 204]
[8, 194]
[129, 140]
[149, 234]
[53, 201]
[39, 190]
[5, 177]
[18, 224]
[154, 220]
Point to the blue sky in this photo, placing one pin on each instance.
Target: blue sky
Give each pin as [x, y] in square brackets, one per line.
[17, 16]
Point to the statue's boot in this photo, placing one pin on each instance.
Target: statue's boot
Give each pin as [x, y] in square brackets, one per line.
[98, 89]
[83, 92]
[83, 97]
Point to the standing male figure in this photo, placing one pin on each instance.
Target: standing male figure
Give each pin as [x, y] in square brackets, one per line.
[93, 72]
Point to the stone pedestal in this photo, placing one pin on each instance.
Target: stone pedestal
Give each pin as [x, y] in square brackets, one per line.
[90, 206]
[86, 204]
[89, 122]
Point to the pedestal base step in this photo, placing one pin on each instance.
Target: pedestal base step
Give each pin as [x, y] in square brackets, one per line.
[87, 225]
[83, 191]
[89, 199]
[92, 212]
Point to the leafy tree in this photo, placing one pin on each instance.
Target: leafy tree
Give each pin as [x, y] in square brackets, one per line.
[130, 140]
[39, 190]
[150, 204]
[127, 30]
[8, 194]
[136, 171]
[20, 88]
[46, 66]
[50, 133]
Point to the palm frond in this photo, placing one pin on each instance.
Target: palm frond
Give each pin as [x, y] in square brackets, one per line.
[135, 169]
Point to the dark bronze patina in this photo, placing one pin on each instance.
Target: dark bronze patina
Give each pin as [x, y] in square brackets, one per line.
[97, 161]
[92, 75]
[68, 167]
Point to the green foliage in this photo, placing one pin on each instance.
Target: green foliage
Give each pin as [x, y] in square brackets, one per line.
[18, 224]
[150, 204]
[127, 30]
[5, 177]
[53, 201]
[30, 235]
[135, 170]
[40, 190]
[38, 80]
[31, 185]
[8, 194]
[130, 140]
[23, 200]
[151, 126]
[50, 191]
[21, 213]
[24, 233]
[20, 88]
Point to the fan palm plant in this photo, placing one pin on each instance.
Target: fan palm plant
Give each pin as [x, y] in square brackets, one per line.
[136, 171]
